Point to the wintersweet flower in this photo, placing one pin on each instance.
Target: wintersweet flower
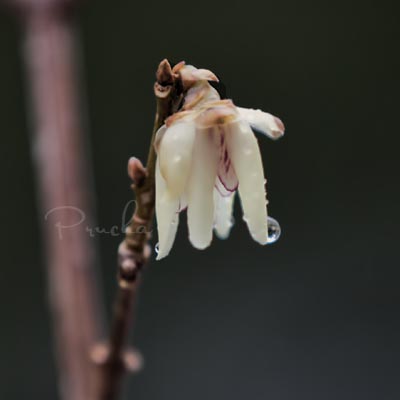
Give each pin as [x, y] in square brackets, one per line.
[205, 152]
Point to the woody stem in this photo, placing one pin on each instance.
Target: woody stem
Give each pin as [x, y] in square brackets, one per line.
[134, 251]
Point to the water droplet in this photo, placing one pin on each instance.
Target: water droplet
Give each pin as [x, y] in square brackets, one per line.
[156, 248]
[274, 230]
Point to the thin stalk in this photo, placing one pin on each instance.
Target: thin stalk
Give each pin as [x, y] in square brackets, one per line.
[134, 251]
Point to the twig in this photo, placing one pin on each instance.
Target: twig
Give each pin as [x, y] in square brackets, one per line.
[134, 251]
[62, 173]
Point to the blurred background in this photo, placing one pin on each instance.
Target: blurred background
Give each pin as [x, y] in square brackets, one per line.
[314, 316]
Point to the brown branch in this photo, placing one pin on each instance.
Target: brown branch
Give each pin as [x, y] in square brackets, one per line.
[134, 251]
[63, 182]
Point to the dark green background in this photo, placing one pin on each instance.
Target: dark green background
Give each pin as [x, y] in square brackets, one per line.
[315, 316]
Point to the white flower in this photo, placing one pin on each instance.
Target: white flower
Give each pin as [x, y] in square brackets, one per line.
[205, 152]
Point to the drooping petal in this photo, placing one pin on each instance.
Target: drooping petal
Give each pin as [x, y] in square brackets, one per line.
[200, 189]
[159, 136]
[246, 158]
[263, 122]
[226, 173]
[221, 188]
[223, 214]
[167, 212]
[175, 155]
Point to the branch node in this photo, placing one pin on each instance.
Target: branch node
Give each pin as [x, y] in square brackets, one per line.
[136, 171]
[129, 360]
[133, 360]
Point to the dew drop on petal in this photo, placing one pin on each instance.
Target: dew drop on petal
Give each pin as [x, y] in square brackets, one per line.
[274, 230]
[156, 248]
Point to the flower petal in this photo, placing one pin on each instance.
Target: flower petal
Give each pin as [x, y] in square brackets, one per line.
[159, 136]
[223, 214]
[167, 212]
[175, 155]
[246, 159]
[190, 75]
[201, 186]
[226, 173]
[263, 122]
[221, 188]
[205, 74]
